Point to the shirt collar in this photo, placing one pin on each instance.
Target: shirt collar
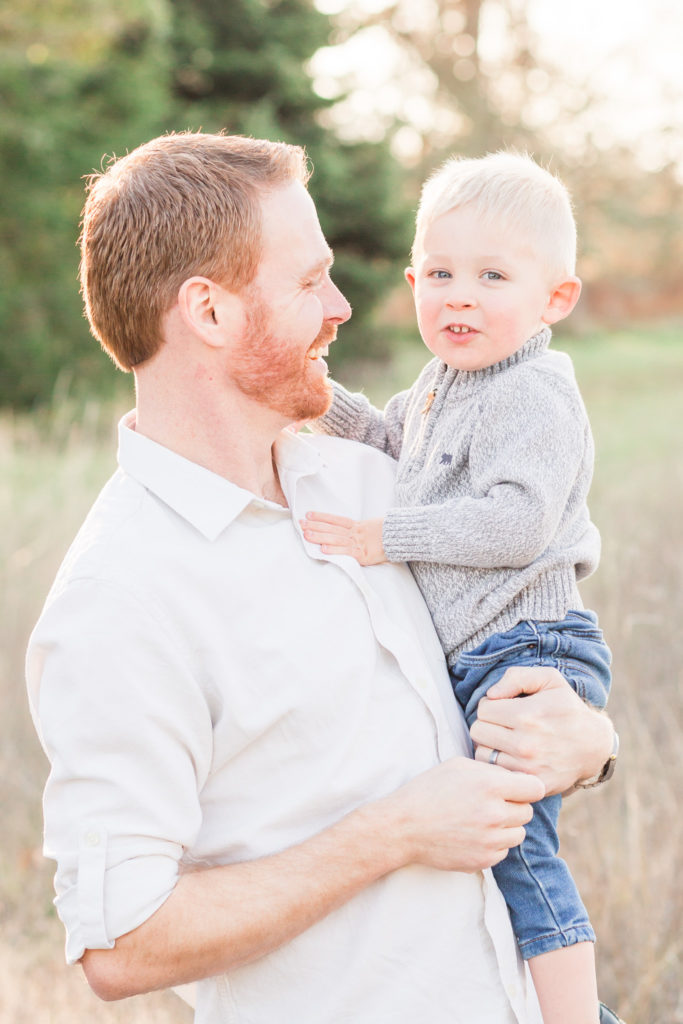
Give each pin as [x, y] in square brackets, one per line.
[204, 499]
[295, 456]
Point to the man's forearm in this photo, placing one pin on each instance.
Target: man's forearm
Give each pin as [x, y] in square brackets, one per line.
[219, 918]
[459, 816]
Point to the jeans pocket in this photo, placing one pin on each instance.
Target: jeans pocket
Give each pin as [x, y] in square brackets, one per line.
[494, 653]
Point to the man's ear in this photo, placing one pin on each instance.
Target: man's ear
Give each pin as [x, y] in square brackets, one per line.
[210, 311]
[409, 275]
[562, 300]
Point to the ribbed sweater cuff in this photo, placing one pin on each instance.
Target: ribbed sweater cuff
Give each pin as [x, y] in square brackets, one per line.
[408, 535]
[341, 420]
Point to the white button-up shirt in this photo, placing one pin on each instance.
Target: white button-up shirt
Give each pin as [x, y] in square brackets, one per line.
[209, 688]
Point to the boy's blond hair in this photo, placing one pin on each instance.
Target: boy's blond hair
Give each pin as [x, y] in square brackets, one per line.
[182, 205]
[505, 187]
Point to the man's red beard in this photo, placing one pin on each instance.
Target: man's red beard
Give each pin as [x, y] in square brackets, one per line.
[278, 375]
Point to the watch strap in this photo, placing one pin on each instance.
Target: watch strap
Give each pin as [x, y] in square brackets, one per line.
[607, 770]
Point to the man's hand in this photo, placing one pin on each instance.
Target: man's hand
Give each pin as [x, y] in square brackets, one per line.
[337, 535]
[542, 727]
[461, 816]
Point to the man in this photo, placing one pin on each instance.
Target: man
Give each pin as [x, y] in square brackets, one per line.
[258, 776]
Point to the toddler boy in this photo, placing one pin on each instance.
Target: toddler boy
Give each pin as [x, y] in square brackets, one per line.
[495, 459]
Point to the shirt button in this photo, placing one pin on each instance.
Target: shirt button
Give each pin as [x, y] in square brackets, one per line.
[92, 839]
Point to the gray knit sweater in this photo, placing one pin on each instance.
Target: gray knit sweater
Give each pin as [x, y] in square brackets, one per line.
[494, 466]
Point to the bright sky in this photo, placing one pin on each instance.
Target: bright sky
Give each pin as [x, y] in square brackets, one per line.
[628, 51]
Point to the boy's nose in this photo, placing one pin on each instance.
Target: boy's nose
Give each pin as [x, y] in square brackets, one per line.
[460, 293]
[461, 300]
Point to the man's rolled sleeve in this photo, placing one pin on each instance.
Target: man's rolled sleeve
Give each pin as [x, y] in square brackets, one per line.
[128, 735]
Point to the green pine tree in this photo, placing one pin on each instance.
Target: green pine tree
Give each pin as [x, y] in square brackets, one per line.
[75, 82]
[82, 79]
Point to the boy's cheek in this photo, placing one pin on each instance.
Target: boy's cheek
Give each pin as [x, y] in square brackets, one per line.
[426, 311]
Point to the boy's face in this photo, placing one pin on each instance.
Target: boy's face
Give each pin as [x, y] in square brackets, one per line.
[481, 291]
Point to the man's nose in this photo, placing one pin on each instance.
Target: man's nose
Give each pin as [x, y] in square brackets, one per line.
[337, 309]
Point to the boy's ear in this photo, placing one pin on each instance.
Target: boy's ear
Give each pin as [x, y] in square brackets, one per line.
[562, 300]
[208, 310]
[409, 275]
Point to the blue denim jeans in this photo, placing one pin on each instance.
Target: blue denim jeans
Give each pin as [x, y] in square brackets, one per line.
[544, 903]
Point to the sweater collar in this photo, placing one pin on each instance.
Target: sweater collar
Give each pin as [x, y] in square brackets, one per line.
[470, 379]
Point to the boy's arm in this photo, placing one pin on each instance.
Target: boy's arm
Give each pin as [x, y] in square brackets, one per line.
[520, 481]
[353, 417]
[522, 474]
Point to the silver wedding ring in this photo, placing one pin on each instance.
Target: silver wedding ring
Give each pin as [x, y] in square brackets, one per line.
[493, 756]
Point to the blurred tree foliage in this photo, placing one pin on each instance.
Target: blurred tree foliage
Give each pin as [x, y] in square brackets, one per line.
[76, 79]
[81, 78]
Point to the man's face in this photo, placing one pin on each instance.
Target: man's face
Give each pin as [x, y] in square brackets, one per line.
[292, 311]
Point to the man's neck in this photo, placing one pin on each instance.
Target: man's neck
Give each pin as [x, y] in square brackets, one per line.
[232, 436]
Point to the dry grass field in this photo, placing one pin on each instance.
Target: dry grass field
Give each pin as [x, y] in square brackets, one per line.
[624, 841]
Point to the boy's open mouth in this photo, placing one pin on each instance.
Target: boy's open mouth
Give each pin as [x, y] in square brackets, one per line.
[460, 329]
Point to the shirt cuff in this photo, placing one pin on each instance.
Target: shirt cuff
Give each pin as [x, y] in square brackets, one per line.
[108, 901]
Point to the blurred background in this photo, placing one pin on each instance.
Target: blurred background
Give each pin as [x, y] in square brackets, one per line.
[379, 93]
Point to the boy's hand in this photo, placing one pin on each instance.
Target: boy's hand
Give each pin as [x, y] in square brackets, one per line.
[338, 535]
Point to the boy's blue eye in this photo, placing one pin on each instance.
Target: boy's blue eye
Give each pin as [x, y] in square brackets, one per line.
[492, 275]
[440, 275]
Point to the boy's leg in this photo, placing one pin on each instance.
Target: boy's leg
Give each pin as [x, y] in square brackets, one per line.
[545, 906]
[566, 985]
[565, 978]
[547, 914]
[550, 922]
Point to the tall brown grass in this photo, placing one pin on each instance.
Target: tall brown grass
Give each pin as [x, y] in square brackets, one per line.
[51, 467]
[623, 841]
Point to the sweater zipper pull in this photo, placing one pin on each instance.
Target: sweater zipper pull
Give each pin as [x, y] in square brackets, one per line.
[428, 403]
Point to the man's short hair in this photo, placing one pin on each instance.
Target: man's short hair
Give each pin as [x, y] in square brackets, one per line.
[508, 188]
[182, 205]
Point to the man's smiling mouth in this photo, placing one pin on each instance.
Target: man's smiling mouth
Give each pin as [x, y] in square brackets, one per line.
[316, 353]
